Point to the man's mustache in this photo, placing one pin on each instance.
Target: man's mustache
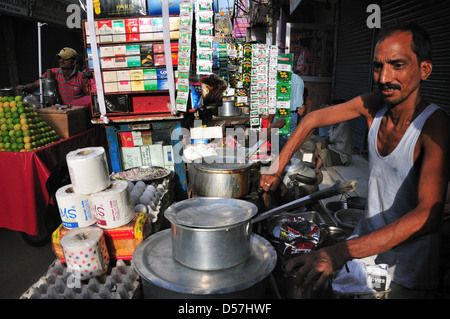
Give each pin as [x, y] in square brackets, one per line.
[389, 86]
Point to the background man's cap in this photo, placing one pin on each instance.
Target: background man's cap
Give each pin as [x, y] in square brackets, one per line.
[66, 53]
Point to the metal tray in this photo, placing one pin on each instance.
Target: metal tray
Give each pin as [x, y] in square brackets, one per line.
[153, 261]
[164, 173]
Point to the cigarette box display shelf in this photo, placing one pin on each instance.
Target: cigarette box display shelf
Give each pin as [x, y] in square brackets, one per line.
[136, 141]
[132, 59]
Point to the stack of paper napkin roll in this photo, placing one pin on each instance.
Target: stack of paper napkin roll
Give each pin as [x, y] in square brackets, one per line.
[92, 197]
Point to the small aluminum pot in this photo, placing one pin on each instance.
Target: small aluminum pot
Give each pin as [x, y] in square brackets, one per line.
[211, 233]
[211, 249]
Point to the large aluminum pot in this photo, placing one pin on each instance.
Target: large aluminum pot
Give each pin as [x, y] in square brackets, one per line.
[211, 233]
[220, 176]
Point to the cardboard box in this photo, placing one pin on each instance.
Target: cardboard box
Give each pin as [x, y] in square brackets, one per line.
[159, 59]
[120, 8]
[137, 86]
[109, 76]
[146, 54]
[174, 26]
[206, 132]
[105, 31]
[106, 51]
[146, 137]
[131, 157]
[131, 139]
[120, 53]
[123, 75]
[163, 84]
[67, 122]
[132, 29]
[146, 156]
[124, 86]
[161, 74]
[158, 29]
[158, 47]
[136, 75]
[118, 30]
[150, 74]
[110, 87]
[150, 85]
[156, 151]
[120, 241]
[123, 78]
[146, 29]
[108, 63]
[168, 155]
[133, 55]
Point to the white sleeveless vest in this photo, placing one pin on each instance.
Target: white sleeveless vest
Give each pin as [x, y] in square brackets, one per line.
[392, 192]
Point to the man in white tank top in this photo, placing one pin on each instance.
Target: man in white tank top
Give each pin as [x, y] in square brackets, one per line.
[408, 159]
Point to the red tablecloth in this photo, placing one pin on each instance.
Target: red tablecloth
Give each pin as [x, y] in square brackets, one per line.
[23, 176]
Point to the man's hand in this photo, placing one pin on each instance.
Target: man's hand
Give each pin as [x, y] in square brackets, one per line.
[312, 269]
[270, 182]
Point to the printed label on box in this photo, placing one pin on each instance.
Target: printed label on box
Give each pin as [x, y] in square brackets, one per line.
[146, 156]
[124, 86]
[137, 85]
[168, 155]
[156, 151]
[146, 137]
[131, 157]
[150, 74]
[150, 85]
[123, 75]
[146, 28]
[132, 29]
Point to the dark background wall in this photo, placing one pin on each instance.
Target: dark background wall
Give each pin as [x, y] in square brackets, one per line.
[19, 48]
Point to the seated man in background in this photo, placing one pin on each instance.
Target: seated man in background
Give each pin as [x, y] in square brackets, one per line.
[335, 149]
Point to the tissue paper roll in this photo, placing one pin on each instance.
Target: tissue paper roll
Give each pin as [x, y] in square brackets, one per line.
[74, 208]
[88, 170]
[85, 252]
[113, 206]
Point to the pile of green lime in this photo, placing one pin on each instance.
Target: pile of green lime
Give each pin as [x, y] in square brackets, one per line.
[21, 129]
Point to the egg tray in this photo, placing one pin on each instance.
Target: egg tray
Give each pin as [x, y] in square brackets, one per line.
[120, 282]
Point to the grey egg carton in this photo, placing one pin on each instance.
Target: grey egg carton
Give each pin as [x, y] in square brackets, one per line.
[120, 282]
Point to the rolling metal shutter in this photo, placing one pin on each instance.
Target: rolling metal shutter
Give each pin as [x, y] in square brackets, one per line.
[353, 64]
[433, 16]
[355, 45]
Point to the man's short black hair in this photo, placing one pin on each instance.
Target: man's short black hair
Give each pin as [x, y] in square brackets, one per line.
[421, 39]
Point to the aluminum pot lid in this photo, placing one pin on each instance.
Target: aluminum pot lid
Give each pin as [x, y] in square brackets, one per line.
[210, 212]
[153, 261]
[223, 163]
